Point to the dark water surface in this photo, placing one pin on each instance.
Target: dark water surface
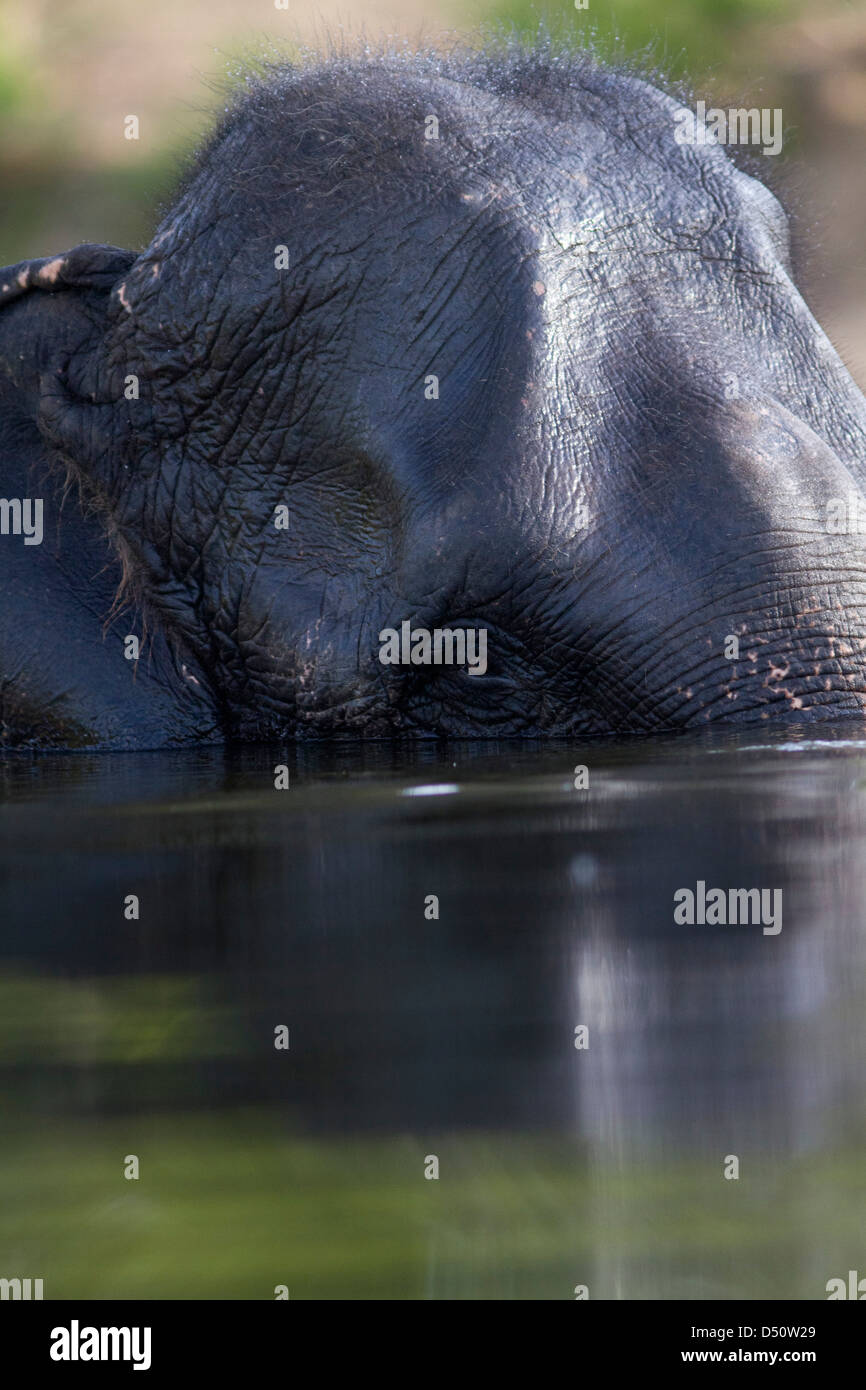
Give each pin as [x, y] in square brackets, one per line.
[452, 1038]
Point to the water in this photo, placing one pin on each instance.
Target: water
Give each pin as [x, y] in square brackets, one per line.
[415, 1038]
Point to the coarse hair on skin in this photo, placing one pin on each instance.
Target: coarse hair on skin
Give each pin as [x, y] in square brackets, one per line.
[340, 107]
[357, 96]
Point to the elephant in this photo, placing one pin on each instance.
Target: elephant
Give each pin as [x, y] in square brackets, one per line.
[454, 396]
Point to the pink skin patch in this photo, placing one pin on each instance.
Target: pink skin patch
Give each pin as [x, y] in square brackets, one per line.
[51, 271]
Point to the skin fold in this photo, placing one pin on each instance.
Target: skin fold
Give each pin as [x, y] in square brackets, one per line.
[531, 367]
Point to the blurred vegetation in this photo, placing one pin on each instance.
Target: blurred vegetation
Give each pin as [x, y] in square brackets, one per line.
[13, 80]
[81, 1023]
[231, 1203]
[231, 1206]
[693, 38]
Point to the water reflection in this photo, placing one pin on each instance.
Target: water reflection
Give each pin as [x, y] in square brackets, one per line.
[452, 1035]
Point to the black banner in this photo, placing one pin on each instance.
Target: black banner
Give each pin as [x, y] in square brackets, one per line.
[220, 1339]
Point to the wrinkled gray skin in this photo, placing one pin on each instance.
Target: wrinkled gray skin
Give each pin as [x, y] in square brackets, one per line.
[639, 429]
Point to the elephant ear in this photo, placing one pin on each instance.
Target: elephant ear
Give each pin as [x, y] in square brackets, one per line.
[53, 310]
